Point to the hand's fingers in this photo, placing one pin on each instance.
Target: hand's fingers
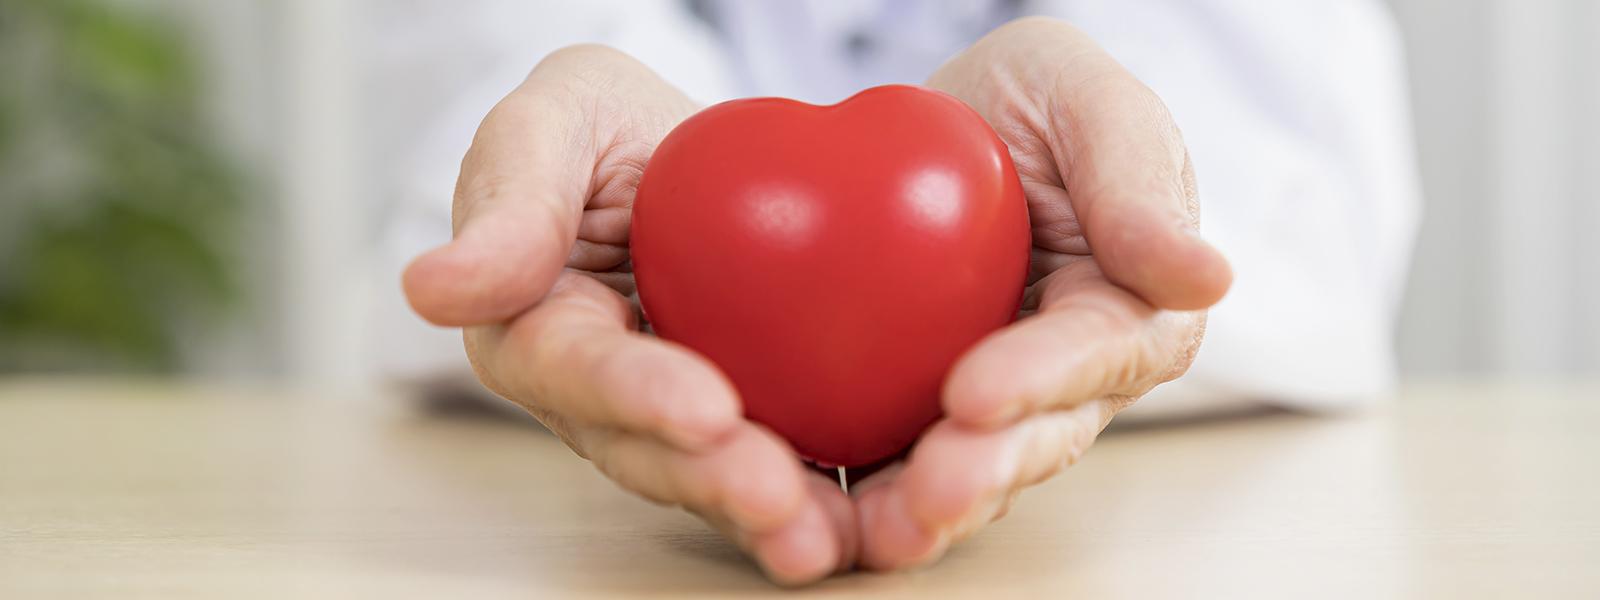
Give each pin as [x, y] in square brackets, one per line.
[1120, 174]
[890, 538]
[750, 478]
[821, 540]
[536, 160]
[841, 512]
[576, 357]
[1125, 166]
[606, 225]
[958, 480]
[749, 487]
[594, 256]
[1090, 339]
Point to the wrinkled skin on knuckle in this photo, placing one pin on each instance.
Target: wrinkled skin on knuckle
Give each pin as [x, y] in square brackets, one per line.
[1167, 352]
[1167, 355]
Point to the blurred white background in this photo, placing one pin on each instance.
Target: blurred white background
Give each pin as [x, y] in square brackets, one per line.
[1507, 271]
[1506, 279]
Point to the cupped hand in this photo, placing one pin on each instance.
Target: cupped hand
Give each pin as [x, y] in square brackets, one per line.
[537, 275]
[1115, 304]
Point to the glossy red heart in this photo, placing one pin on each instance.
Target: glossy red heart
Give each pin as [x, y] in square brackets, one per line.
[834, 261]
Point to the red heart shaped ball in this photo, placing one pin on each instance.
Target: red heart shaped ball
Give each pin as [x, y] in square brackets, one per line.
[833, 261]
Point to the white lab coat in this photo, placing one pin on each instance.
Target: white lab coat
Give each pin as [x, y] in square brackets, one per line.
[1295, 113]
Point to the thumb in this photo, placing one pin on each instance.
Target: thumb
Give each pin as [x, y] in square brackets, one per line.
[518, 204]
[1132, 185]
[502, 261]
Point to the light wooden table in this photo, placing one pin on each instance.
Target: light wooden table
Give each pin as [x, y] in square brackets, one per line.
[160, 490]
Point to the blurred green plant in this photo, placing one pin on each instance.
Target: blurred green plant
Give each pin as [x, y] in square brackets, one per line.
[117, 208]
